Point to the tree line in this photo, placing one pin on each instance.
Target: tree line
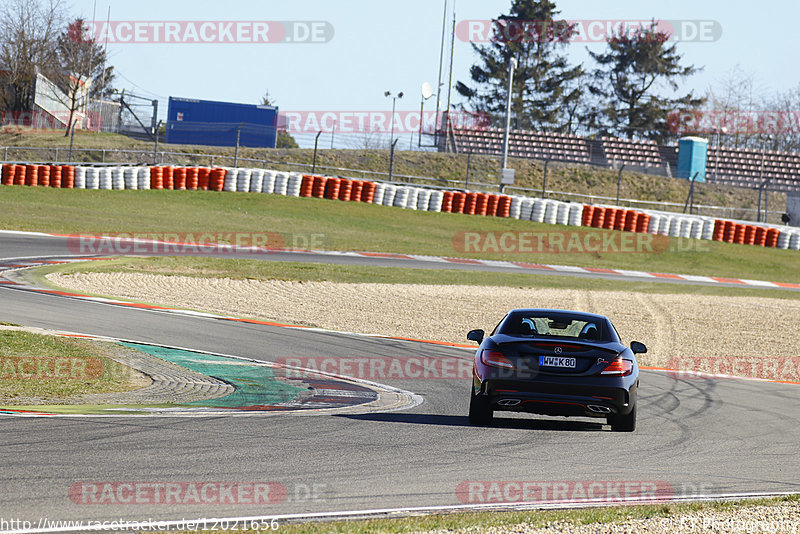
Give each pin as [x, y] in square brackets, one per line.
[632, 89]
[38, 36]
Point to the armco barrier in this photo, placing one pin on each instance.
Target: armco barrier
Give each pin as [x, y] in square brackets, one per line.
[405, 196]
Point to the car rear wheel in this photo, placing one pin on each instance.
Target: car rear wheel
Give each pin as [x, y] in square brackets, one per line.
[479, 411]
[623, 423]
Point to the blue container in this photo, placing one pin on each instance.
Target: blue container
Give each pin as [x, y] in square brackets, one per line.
[205, 122]
[692, 158]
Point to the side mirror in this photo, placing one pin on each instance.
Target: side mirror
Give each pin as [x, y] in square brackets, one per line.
[475, 335]
[638, 348]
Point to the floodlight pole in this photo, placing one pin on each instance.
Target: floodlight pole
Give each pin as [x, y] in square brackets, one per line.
[394, 101]
[391, 159]
[512, 65]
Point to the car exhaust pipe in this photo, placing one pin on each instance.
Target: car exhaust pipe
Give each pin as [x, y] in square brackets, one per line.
[598, 409]
[508, 402]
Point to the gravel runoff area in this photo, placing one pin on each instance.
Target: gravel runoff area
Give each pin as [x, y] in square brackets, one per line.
[672, 326]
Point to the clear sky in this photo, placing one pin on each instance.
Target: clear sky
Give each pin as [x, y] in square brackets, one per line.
[394, 45]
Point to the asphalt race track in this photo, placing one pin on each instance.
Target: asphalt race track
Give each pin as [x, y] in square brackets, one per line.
[696, 437]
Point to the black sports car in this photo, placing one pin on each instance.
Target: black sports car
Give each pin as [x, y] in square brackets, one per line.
[555, 362]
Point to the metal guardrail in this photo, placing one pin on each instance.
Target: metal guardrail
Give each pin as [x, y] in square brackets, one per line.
[212, 160]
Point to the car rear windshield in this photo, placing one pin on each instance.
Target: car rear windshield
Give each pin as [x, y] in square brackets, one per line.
[552, 325]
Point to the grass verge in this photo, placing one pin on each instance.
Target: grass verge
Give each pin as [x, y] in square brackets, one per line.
[53, 369]
[338, 225]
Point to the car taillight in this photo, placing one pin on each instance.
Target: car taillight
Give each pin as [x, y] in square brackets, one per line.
[618, 367]
[495, 359]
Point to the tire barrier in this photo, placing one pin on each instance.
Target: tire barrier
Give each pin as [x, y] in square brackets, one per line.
[281, 185]
[402, 196]
[117, 178]
[423, 199]
[268, 183]
[526, 209]
[459, 202]
[515, 207]
[345, 189]
[447, 201]
[169, 178]
[436, 200]
[504, 208]
[332, 188]
[293, 183]
[8, 174]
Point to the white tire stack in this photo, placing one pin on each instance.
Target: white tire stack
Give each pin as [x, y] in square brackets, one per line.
[655, 222]
[575, 214]
[413, 196]
[268, 182]
[256, 179]
[380, 191]
[696, 229]
[104, 180]
[539, 209]
[423, 199]
[562, 213]
[664, 226]
[243, 179]
[708, 228]
[401, 197]
[550, 212]
[526, 209]
[794, 241]
[230, 179]
[92, 178]
[80, 178]
[435, 203]
[129, 177]
[281, 183]
[515, 209]
[293, 184]
[783, 240]
[389, 192]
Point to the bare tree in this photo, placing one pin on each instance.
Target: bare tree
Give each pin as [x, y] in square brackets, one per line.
[80, 61]
[28, 41]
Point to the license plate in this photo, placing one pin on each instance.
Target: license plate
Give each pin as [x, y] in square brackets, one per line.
[556, 361]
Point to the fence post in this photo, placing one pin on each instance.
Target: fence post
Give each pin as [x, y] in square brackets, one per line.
[544, 178]
[619, 182]
[469, 157]
[236, 152]
[314, 165]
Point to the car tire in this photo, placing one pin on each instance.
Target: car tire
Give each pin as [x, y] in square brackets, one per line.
[623, 423]
[479, 411]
